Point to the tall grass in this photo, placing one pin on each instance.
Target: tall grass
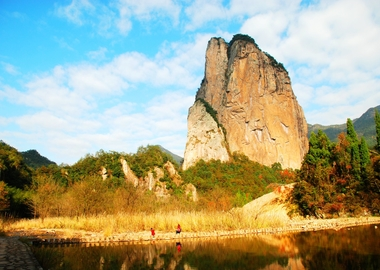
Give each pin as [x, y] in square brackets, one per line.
[162, 221]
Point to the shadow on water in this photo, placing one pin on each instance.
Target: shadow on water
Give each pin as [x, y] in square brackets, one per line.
[350, 248]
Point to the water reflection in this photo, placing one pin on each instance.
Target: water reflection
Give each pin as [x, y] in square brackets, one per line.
[179, 246]
[354, 248]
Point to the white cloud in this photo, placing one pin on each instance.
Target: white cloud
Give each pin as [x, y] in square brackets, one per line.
[124, 23]
[52, 122]
[49, 92]
[9, 68]
[121, 128]
[201, 12]
[304, 93]
[99, 54]
[107, 18]
[148, 9]
[89, 80]
[267, 29]
[335, 105]
[74, 12]
[254, 7]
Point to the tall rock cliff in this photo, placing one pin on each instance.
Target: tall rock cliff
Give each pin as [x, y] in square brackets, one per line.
[253, 99]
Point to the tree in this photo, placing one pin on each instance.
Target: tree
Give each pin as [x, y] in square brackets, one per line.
[45, 196]
[317, 160]
[377, 122]
[353, 148]
[364, 154]
[90, 196]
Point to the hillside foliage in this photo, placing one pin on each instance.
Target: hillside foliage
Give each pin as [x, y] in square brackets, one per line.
[80, 190]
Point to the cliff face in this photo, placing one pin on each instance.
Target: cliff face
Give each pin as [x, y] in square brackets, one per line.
[255, 103]
[205, 139]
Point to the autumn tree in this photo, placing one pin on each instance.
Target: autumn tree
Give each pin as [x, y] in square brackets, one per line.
[90, 197]
[45, 198]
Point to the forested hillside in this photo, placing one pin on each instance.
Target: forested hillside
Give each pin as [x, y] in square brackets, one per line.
[364, 126]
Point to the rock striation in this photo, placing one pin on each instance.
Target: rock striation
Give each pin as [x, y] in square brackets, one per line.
[254, 105]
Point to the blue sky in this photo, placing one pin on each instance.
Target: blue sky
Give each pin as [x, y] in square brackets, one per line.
[78, 76]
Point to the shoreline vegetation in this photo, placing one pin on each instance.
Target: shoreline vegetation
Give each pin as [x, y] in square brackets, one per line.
[196, 225]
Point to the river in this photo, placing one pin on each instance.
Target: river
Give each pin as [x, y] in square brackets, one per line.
[348, 248]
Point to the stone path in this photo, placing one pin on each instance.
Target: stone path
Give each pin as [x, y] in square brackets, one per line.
[16, 255]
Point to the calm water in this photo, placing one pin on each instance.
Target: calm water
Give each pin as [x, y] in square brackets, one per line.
[350, 248]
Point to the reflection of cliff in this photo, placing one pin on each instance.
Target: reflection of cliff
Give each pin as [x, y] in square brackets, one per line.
[348, 248]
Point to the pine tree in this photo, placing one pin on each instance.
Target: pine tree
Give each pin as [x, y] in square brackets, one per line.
[317, 160]
[354, 148]
[377, 122]
[364, 154]
[365, 160]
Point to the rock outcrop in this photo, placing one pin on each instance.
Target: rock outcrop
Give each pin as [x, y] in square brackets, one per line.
[129, 175]
[152, 180]
[254, 102]
[173, 174]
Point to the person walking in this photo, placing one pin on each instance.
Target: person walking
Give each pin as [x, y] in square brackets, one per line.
[152, 232]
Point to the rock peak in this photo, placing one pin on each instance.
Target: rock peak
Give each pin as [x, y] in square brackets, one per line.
[254, 102]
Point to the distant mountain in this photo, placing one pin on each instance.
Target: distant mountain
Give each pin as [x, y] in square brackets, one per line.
[176, 158]
[364, 127]
[33, 159]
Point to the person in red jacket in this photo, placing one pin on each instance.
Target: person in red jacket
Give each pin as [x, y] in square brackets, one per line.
[178, 230]
[152, 232]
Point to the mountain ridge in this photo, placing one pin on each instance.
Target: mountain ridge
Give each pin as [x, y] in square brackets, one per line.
[35, 160]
